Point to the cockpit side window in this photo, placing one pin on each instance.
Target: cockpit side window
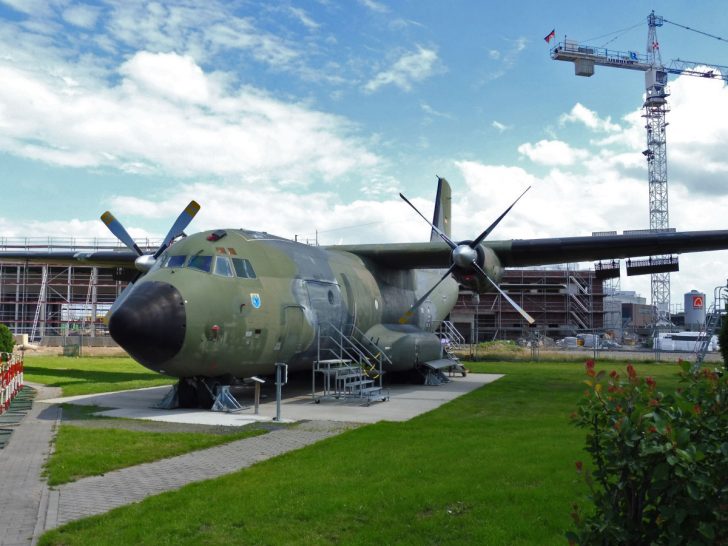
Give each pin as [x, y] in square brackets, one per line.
[243, 269]
[201, 263]
[174, 261]
[223, 267]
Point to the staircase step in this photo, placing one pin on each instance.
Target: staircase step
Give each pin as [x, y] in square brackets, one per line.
[349, 384]
[370, 390]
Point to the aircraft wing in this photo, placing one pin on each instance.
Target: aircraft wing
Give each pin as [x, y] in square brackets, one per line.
[529, 252]
[100, 258]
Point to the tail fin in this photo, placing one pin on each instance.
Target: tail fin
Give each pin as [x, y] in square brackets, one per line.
[441, 218]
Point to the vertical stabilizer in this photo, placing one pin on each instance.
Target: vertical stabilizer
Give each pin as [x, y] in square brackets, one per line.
[441, 218]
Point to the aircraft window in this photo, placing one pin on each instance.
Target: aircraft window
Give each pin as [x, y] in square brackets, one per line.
[174, 261]
[243, 269]
[223, 267]
[203, 263]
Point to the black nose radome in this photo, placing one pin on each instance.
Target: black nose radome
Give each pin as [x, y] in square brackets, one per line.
[150, 324]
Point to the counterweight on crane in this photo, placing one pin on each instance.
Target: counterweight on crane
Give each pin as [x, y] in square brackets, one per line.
[585, 57]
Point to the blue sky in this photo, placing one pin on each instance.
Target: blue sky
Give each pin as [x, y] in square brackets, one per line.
[304, 116]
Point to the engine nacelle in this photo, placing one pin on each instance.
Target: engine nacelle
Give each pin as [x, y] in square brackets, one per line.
[405, 345]
[472, 280]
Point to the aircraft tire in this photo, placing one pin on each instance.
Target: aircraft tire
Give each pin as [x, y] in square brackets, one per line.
[186, 393]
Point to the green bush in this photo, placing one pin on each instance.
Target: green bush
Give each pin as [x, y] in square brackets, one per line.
[6, 339]
[660, 461]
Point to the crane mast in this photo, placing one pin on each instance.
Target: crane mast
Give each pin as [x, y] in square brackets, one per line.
[656, 108]
[585, 58]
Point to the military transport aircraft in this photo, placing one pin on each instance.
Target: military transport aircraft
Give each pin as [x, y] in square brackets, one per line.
[228, 304]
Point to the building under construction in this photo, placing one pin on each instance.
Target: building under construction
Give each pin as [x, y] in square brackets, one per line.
[49, 302]
[564, 302]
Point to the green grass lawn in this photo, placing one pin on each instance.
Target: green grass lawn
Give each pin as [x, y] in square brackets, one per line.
[81, 451]
[90, 375]
[495, 466]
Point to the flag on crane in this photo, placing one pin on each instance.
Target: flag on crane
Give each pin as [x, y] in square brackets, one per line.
[550, 36]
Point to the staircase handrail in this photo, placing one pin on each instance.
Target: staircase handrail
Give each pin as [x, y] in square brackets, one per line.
[701, 347]
[452, 333]
[352, 349]
[360, 341]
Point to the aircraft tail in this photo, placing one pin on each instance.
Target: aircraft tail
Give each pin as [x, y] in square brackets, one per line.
[441, 218]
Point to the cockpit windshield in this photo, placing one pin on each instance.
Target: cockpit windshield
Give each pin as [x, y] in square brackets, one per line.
[202, 263]
[222, 266]
[175, 261]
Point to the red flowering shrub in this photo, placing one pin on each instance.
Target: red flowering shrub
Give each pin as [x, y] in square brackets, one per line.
[660, 460]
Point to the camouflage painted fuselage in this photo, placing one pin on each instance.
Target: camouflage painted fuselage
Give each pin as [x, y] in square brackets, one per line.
[274, 310]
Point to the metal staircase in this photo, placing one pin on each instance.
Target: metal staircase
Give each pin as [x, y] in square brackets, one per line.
[712, 323]
[451, 340]
[350, 366]
[716, 313]
[578, 302]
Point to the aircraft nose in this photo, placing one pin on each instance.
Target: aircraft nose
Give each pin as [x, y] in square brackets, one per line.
[150, 324]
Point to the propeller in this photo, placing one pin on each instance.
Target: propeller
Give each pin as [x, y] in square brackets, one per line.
[145, 261]
[465, 256]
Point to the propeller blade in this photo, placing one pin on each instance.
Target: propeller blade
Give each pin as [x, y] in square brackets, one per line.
[404, 318]
[517, 307]
[483, 235]
[183, 220]
[437, 230]
[119, 232]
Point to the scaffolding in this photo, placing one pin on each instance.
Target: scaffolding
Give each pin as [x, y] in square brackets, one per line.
[564, 302]
[56, 301]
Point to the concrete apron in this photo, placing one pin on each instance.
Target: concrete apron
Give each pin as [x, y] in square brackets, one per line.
[405, 402]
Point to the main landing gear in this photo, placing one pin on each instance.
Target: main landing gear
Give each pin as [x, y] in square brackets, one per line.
[197, 392]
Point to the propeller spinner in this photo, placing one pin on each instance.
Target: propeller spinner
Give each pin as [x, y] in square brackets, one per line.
[465, 257]
[145, 261]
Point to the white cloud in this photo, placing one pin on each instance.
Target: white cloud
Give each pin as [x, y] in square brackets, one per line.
[500, 126]
[166, 115]
[168, 75]
[696, 135]
[202, 31]
[81, 16]
[372, 5]
[426, 108]
[409, 68]
[303, 18]
[552, 152]
[286, 214]
[27, 6]
[581, 114]
[506, 59]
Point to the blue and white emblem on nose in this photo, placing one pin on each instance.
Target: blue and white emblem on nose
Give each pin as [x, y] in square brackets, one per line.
[255, 300]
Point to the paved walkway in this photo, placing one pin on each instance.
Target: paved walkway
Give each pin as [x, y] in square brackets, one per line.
[28, 507]
[99, 494]
[21, 463]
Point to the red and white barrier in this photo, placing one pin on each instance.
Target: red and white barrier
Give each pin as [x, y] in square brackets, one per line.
[11, 378]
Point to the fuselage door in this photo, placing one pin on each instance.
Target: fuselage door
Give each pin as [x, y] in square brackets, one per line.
[328, 310]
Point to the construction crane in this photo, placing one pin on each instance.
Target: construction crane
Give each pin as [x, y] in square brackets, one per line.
[585, 57]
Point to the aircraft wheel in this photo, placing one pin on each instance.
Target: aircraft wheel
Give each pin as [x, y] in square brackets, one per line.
[186, 393]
